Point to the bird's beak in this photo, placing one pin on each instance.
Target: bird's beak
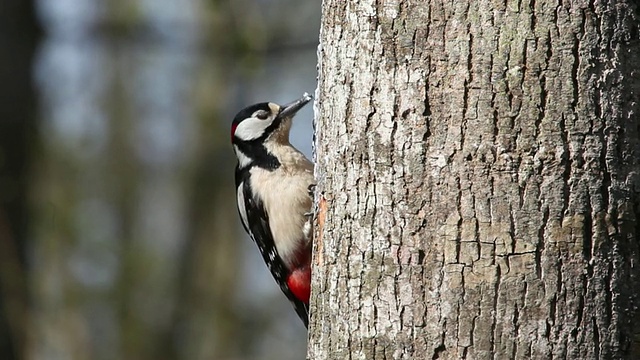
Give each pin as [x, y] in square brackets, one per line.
[292, 108]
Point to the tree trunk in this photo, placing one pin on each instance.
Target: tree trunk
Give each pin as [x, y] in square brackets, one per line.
[19, 36]
[477, 168]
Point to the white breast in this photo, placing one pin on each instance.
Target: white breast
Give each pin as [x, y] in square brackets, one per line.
[285, 195]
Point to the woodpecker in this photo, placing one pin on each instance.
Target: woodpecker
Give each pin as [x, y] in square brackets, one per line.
[274, 184]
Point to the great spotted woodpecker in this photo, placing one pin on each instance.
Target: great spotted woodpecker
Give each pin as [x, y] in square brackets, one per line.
[273, 183]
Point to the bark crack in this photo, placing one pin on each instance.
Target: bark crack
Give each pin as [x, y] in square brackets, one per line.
[541, 244]
[587, 237]
[494, 318]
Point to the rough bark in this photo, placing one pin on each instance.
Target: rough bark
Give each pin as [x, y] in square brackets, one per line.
[477, 168]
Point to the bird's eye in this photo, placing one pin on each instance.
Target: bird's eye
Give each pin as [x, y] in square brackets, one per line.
[261, 114]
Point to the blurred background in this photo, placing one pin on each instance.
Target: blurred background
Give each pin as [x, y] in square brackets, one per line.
[119, 236]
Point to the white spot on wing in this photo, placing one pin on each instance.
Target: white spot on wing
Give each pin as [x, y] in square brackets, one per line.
[241, 206]
[243, 160]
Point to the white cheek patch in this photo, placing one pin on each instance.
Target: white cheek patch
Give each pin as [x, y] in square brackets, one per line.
[252, 128]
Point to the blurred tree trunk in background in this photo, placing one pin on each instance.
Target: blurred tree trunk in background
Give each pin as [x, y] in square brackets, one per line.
[135, 244]
[19, 34]
[478, 183]
[133, 231]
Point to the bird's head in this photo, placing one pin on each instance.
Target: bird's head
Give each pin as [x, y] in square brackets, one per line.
[257, 126]
[267, 121]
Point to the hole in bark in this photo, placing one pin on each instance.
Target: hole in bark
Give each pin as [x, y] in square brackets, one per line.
[438, 351]
[421, 256]
[426, 134]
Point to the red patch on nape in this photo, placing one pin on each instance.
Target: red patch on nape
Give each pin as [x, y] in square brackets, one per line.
[299, 283]
[233, 130]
